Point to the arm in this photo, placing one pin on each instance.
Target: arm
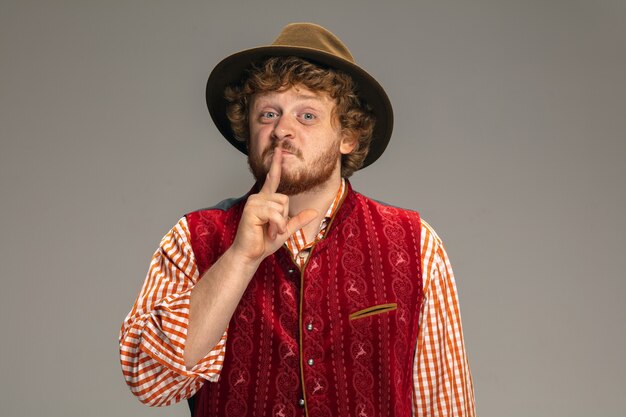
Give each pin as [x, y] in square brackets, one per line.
[264, 227]
[173, 339]
[152, 337]
[441, 374]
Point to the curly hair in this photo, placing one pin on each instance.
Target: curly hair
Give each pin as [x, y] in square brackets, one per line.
[274, 74]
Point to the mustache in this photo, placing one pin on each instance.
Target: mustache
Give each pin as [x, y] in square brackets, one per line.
[286, 146]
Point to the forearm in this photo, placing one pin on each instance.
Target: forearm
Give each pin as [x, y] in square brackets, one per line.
[213, 302]
[151, 353]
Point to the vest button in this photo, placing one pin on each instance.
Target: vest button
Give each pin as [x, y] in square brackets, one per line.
[301, 402]
[310, 362]
[291, 270]
[309, 326]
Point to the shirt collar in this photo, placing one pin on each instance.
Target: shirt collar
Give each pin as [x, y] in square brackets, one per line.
[297, 242]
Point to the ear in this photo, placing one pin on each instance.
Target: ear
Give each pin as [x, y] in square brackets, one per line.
[348, 143]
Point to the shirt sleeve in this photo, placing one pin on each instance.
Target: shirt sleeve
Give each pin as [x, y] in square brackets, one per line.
[153, 335]
[441, 374]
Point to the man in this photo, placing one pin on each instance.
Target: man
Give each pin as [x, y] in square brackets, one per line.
[302, 297]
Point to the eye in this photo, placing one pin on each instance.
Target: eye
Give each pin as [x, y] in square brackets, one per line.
[308, 117]
[269, 115]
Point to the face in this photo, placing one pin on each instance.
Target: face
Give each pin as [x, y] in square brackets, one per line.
[300, 122]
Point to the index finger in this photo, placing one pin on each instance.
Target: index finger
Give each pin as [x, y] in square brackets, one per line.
[273, 176]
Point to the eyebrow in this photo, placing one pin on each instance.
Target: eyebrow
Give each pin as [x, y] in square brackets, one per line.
[262, 102]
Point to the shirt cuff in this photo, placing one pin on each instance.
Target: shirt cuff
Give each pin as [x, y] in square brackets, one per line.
[165, 334]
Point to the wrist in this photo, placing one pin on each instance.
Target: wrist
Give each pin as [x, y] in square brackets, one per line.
[240, 261]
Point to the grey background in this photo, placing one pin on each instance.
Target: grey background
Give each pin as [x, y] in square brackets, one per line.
[510, 139]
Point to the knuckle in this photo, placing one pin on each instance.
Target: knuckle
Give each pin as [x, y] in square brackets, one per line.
[267, 204]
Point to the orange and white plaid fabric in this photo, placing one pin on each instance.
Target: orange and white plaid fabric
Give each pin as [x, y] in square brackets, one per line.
[297, 244]
[153, 334]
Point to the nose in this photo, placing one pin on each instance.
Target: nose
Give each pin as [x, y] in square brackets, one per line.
[283, 128]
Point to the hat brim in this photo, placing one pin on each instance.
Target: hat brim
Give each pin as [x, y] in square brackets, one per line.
[231, 69]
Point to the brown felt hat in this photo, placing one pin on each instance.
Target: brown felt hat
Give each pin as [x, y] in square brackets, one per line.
[313, 43]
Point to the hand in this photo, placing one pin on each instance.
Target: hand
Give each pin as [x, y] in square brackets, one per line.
[265, 224]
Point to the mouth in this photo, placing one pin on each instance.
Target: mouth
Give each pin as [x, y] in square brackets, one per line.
[283, 151]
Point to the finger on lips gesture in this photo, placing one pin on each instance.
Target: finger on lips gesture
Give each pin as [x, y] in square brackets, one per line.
[272, 180]
[282, 226]
[273, 176]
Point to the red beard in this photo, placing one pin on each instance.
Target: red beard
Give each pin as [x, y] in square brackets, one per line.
[304, 179]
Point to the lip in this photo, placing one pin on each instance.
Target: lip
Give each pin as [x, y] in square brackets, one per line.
[282, 151]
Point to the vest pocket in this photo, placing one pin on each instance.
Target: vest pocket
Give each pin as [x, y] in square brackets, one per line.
[370, 311]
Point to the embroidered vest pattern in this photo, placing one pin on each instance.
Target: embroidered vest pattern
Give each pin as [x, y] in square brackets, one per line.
[339, 335]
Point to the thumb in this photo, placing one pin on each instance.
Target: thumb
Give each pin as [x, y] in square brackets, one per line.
[300, 220]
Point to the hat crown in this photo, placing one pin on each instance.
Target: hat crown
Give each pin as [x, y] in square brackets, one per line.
[310, 35]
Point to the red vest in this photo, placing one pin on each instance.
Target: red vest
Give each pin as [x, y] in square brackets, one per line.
[338, 338]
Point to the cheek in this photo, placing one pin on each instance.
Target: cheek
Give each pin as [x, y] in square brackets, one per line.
[258, 138]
